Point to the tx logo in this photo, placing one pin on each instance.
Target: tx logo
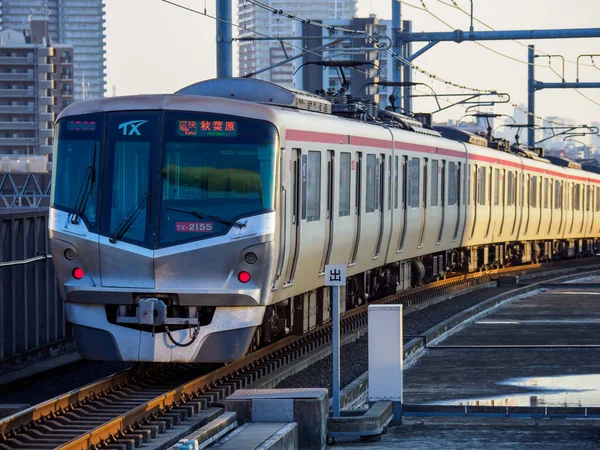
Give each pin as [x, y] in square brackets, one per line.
[132, 127]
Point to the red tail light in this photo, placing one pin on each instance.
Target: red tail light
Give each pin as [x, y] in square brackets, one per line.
[244, 277]
[78, 273]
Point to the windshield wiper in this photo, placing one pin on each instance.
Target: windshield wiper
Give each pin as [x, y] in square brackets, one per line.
[85, 191]
[129, 219]
[203, 216]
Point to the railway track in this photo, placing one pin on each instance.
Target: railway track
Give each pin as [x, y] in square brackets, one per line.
[134, 404]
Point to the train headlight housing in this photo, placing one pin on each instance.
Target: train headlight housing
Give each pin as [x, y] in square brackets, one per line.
[244, 276]
[78, 273]
[250, 258]
[70, 254]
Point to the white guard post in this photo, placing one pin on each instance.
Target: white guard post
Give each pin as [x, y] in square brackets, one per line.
[335, 276]
[386, 356]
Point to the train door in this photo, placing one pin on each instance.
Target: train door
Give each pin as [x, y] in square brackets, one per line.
[442, 201]
[329, 218]
[573, 191]
[425, 194]
[404, 202]
[550, 186]
[284, 213]
[593, 202]
[457, 181]
[543, 203]
[528, 199]
[513, 190]
[558, 204]
[127, 211]
[493, 188]
[294, 228]
[380, 201]
[357, 206]
[476, 181]
[502, 198]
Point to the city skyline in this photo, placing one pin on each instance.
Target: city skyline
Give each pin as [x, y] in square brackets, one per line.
[186, 45]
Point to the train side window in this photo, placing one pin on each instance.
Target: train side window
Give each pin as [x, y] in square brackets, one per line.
[434, 182]
[481, 184]
[511, 189]
[597, 198]
[557, 195]
[533, 188]
[451, 183]
[345, 171]
[313, 191]
[396, 174]
[577, 197]
[496, 187]
[546, 183]
[371, 184]
[415, 169]
[588, 195]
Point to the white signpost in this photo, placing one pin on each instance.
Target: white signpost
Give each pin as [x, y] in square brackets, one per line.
[335, 276]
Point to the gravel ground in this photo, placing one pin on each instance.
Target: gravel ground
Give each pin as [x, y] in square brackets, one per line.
[354, 359]
[58, 381]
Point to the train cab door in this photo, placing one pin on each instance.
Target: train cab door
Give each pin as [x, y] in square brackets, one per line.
[128, 217]
[294, 222]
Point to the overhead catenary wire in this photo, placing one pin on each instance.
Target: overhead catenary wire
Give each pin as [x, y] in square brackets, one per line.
[237, 25]
[367, 36]
[392, 53]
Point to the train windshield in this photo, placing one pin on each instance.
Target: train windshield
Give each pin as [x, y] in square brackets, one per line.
[164, 177]
[215, 170]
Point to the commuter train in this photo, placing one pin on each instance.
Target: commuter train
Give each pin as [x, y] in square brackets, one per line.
[196, 227]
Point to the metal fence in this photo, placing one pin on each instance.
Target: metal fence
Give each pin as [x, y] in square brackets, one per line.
[31, 310]
[25, 190]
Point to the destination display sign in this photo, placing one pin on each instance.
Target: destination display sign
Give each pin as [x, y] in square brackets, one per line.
[81, 125]
[210, 128]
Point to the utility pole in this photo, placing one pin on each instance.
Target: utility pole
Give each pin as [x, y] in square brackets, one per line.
[224, 39]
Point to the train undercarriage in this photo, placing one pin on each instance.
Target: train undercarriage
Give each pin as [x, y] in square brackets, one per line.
[305, 312]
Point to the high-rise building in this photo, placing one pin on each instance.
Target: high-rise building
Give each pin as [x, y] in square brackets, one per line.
[35, 84]
[79, 23]
[260, 54]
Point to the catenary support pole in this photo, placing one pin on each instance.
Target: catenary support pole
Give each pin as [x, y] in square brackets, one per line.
[408, 107]
[396, 23]
[224, 42]
[531, 95]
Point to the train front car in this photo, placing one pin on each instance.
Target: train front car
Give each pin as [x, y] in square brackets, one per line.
[162, 225]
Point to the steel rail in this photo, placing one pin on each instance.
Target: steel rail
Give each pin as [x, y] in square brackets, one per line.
[230, 377]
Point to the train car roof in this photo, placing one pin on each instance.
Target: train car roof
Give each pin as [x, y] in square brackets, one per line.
[175, 102]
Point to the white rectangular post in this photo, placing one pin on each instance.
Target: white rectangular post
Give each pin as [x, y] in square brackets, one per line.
[335, 276]
[386, 356]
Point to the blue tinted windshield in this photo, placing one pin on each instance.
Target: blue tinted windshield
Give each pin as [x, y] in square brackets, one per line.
[215, 170]
[164, 177]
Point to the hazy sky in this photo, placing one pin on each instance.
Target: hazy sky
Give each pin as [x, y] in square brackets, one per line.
[153, 47]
